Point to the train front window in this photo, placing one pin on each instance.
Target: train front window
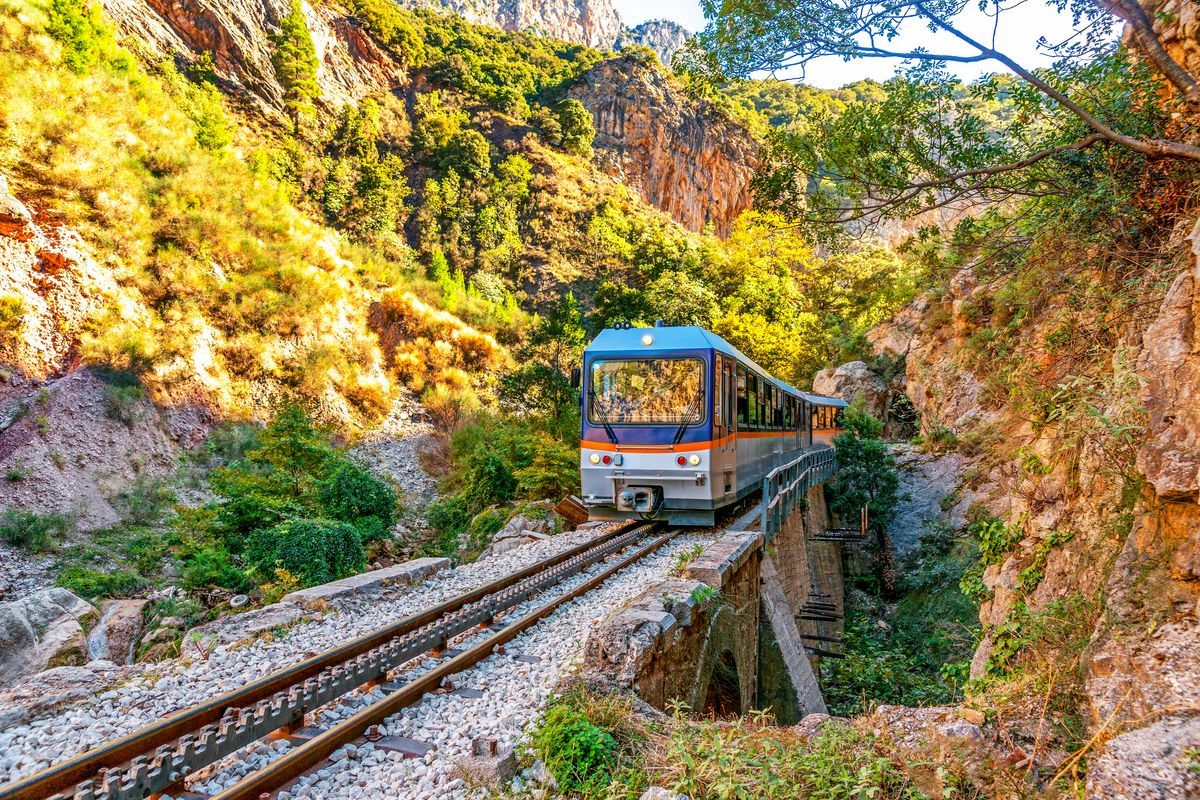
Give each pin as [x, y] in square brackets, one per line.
[665, 391]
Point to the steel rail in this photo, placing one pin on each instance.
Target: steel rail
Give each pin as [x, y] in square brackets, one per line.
[135, 749]
[303, 758]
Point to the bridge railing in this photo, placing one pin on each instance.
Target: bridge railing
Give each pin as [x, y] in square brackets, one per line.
[787, 485]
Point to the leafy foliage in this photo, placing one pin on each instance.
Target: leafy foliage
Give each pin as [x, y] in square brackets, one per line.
[579, 754]
[315, 550]
[32, 531]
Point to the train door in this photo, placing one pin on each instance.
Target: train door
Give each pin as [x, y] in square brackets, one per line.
[725, 441]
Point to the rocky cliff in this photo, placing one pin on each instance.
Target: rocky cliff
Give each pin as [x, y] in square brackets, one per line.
[662, 36]
[1103, 503]
[592, 22]
[681, 154]
[237, 36]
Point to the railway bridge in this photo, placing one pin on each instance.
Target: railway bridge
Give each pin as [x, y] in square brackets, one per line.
[419, 681]
[742, 624]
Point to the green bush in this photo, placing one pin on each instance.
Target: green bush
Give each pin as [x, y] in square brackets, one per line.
[212, 566]
[90, 583]
[579, 754]
[121, 402]
[352, 494]
[32, 531]
[578, 132]
[315, 550]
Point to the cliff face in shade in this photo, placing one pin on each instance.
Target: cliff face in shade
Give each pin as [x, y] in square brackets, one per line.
[682, 155]
[237, 34]
[592, 22]
[662, 36]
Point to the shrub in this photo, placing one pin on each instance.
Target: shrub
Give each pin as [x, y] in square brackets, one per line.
[449, 514]
[121, 402]
[145, 501]
[314, 550]
[32, 531]
[553, 473]
[12, 314]
[78, 27]
[579, 754]
[90, 583]
[352, 494]
[212, 566]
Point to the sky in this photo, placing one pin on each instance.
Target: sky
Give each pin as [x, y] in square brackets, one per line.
[1018, 33]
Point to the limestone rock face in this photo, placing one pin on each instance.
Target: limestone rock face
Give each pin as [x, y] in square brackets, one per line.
[592, 22]
[1148, 762]
[45, 629]
[853, 381]
[662, 36]
[682, 155]
[237, 34]
[1169, 368]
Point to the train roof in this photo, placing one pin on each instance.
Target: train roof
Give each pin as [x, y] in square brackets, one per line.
[824, 400]
[682, 337]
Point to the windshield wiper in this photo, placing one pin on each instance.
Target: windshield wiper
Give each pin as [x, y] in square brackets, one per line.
[608, 429]
[686, 414]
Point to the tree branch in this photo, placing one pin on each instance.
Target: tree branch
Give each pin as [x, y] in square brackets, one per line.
[1148, 42]
[1155, 148]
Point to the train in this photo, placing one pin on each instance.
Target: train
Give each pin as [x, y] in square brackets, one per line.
[677, 424]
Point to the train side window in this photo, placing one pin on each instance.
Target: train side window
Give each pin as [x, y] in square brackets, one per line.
[752, 398]
[743, 404]
[718, 392]
[779, 400]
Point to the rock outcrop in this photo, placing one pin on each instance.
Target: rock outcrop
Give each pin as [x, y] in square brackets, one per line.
[1125, 567]
[855, 381]
[238, 37]
[682, 155]
[662, 36]
[45, 629]
[592, 22]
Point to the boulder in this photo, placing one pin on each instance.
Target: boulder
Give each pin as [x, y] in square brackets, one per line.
[114, 636]
[14, 216]
[44, 629]
[45, 690]
[523, 525]
[853, 381]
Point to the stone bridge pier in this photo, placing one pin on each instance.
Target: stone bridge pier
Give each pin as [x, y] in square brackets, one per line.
[726, 635]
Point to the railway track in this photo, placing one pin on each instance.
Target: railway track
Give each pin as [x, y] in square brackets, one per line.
[156, 759]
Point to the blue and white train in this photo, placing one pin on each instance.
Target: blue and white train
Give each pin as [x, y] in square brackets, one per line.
[677, 424]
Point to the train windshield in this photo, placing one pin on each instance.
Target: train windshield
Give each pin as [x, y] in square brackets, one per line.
[647, 391]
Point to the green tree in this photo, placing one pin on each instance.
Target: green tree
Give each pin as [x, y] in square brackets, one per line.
[931, 140]
[295, 62]
[578, 132]
[468, 153]
[541, 381]
[866, 476]
[352, 494]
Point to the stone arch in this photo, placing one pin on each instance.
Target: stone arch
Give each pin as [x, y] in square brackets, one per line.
[723, 697]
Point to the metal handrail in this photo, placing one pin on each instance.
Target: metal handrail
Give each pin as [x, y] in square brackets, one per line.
[784, 486]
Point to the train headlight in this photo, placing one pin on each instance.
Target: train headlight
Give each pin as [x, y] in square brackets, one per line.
[647, 340]
[594, 458]
[694, 460]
